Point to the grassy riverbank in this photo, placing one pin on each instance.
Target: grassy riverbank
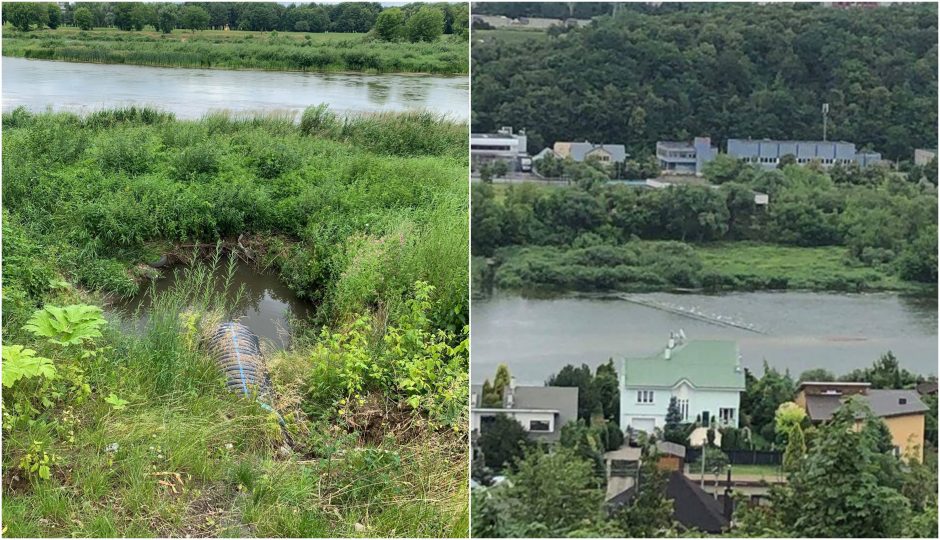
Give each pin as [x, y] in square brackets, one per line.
[132, 433]
[663, 266]
[276, 51]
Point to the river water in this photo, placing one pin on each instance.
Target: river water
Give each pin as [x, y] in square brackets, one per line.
[790, 330]
[191, 93]
[265, 304]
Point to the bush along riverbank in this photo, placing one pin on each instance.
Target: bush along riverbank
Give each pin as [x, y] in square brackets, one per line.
[284, 51]
[843, 230]
[111, 431]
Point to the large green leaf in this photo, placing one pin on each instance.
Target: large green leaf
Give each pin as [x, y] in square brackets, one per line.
[70, 325]
[20, 363]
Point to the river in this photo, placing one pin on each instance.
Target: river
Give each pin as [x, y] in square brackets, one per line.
[790, 330]
[191, 93]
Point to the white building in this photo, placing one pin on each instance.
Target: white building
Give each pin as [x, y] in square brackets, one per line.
[504, 145]
[705, 377]
[541, 410]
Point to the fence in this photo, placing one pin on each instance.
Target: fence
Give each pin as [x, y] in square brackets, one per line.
[741, 457]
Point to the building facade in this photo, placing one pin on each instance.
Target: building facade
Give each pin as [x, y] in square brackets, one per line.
[504, 145]
[902, 410]
[705, 377]
[541, 410]
[685, 157]
[767, 153]
[582, 151]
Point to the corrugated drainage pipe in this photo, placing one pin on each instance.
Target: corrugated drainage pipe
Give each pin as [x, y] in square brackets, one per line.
[237, 351]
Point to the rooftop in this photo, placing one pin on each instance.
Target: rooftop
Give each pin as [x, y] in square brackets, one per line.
[883, 403]
[704, 363]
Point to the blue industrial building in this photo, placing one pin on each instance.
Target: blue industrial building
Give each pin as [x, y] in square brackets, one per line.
[767, 153]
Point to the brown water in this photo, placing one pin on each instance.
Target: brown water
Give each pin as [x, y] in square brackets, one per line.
[265, 304]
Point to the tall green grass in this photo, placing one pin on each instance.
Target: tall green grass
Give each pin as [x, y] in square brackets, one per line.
[240, 50]
[110, 190]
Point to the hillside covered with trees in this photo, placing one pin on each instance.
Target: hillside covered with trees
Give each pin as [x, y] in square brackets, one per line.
[719, 70]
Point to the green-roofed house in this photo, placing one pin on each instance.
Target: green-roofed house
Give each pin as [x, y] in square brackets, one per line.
[705, 377]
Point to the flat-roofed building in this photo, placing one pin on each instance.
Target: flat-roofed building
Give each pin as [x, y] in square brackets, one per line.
[685, 157]
[504, 145]
[767, 153]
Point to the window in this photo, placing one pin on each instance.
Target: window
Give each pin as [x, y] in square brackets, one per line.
[644, 396]
[684, 408]
[539, 425]
[726, 415]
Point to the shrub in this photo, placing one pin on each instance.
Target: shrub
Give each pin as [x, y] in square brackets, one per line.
[130, 150]
[196, 162]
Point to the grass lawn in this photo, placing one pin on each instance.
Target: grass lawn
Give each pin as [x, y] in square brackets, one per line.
[233, 49]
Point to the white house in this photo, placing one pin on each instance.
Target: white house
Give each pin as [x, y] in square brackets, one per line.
[541, 410]
[705, 377]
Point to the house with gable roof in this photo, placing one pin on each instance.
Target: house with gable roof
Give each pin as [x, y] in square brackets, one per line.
[705, 377]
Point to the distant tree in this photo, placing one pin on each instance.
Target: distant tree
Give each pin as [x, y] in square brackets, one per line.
[301, 26]
[585, 441]
[124, 15]
[142, 15]
[723, 168]
[673, 430]
[167, 17]
[23, 15]
[885, 373]
[493, 397]
[194, 18]
[54, 17]
[461, 18]
[486, 173]
[500, 168]
[582, 379]
[788, 421]
[502, 441]
[389, 25]
[83, 18]
[786, 160]
[427, 24]
[817, 374]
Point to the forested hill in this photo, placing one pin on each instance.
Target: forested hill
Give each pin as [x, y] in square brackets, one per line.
[728, 70]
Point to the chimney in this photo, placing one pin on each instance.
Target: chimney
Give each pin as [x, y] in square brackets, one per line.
[510, 393]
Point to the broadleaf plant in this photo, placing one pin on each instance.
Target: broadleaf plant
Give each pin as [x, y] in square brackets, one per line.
[20, 363]
[71, 325]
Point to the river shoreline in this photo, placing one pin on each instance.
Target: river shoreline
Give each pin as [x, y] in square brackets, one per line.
[452, 75]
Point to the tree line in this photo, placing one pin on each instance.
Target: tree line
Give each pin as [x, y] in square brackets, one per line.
[884, 220]
[415, 21]
[724, 71]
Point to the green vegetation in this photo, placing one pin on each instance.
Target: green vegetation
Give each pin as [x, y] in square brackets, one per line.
[240, 50]
[676, 71]
[842, 229]
[112, 431]
[344, 17]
